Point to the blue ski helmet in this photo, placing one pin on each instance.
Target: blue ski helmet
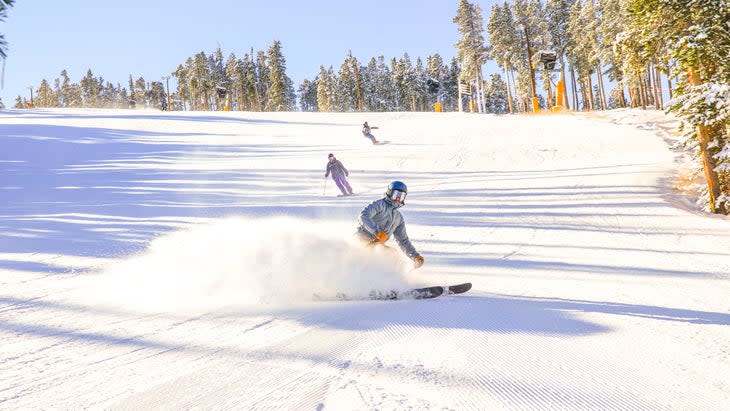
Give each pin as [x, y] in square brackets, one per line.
[398, 187]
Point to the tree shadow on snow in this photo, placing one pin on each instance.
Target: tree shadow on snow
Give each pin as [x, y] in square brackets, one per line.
[496, 313]
[106, 192]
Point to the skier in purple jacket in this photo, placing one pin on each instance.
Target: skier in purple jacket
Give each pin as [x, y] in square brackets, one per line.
[339, 174]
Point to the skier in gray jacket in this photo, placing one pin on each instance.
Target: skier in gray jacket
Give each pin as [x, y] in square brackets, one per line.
[381, 219]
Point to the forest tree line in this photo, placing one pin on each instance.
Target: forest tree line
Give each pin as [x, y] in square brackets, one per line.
[607, 53]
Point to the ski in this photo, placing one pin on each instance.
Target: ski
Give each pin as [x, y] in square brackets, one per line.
[458, 288]
[412, 294]
[415, 294]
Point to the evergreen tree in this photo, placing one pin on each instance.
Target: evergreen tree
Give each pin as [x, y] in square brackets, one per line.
[236, 86]
[695, 34]
[471, 48]
[308, 95]
[4, 6]
[351, 84]
[496, 95]
[324, 90]
[404, 81]
[612, 24]
[281, 89]
[532, 28]
[71, 91]
[386, 91]
[420, 87]
[450, 86]
[218, 79]
[141, 93]
[370, 85]
[89, 90]
[45, 96]
[200, 82]
[183, 87]
[505, 42]
[262, 80]
[156, 94]
[253, 100]
[557, 13]
[438, 72]
[349, 95]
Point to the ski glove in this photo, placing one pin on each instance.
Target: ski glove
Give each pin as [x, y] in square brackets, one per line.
[381, 237]
[417, 261]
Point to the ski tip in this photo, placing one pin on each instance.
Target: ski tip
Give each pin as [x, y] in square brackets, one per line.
[458, 288]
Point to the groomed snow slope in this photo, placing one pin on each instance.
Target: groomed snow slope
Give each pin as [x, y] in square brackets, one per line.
[173, 261]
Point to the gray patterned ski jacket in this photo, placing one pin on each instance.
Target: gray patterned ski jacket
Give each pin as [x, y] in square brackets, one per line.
[383, 215]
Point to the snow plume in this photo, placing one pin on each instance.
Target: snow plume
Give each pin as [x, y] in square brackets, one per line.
[239, 261]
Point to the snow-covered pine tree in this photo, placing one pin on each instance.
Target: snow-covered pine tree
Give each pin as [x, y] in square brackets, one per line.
[90, 89]
[496, 95]
[504, 41]
[404, 80]
[217, 79]
[437, 71]
[350, 92]
[613, 22]
[308, 95]
[557, 13]
[531, 28]
[471, 48]
[420, 89]
[45, 97]
[386, 89]
[183, 90]
[234, 74]
[582, 50]
[324, 90]
[695, 34]
[262, 80]
[281, 89]
[250, 83]
[450, 85]
[4, 5]
[369, 85]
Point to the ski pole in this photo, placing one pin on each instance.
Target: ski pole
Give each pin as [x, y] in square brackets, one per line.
[325, 186]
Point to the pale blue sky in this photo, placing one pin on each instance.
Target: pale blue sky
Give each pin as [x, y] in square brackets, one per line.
[150, 38]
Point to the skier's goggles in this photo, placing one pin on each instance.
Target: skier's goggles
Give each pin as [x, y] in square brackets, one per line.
[397, 195]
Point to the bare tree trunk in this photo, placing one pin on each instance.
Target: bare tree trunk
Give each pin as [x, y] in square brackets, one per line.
[590, 92]
[704, 137]
[648, 86]
[642, 91]
[669, 81]
[509, 91]
[635, 99]
[658, 89]
[601, 88]
[546, 83]
[516, 98]
[574, 87]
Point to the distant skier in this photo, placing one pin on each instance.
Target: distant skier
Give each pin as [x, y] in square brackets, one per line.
[381, 219]
[367, 133]
[339, 174]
